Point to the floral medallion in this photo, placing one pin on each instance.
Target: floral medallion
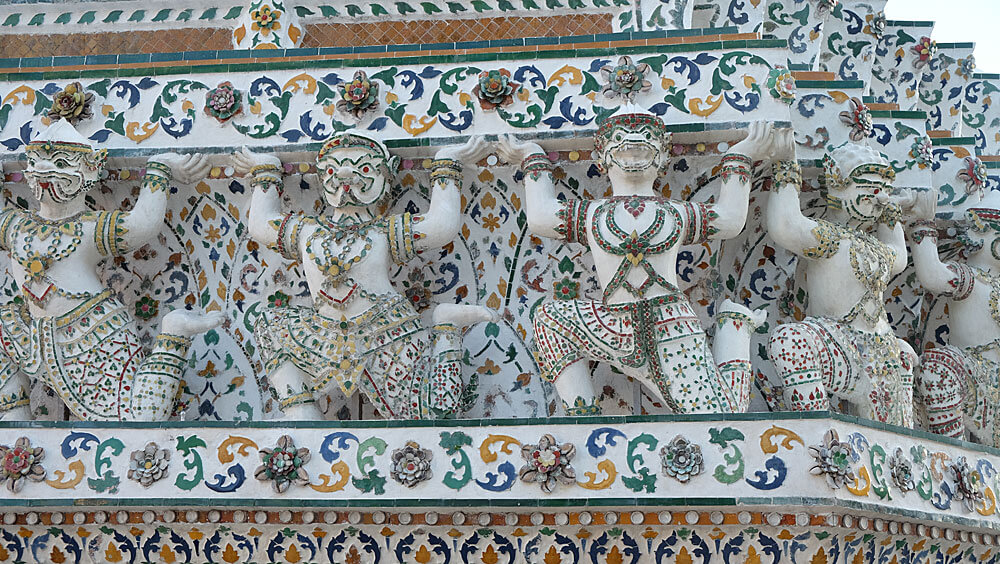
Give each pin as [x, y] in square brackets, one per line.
[20, 463]
[265, 20]
[147, 308]
[495, 89]
[626, 79]
[278, 299]
[825, 7]
[72, 104]
[224, 102]
[782, 84]
[566, 289]
[283, 465]
[548, 463]
[359, 96]
[968, 483]
[859, 118]
[967, 67]
[833, 460]
[901, 471]
[411, 464]
[925, 50]
[148, 465]
[974, 175]
[681, 459]
[875, 24]
[922, 151]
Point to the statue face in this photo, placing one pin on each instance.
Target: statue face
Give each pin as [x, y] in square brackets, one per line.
[353, 176]
[635, 150]
[58, 174]
[865, 197]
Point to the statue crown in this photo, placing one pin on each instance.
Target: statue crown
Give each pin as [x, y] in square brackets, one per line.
[856, 159]
[353, 138]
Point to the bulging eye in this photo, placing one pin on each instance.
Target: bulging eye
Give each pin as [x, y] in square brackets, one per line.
[366, 169]
[619, 137]
[330, 171]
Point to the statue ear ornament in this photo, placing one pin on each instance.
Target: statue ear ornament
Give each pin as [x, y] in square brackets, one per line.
[993, 248]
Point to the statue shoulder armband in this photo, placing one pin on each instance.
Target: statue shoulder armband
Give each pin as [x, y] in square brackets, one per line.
[402, 237]
[8, 220]
[828, 237]
[698, 221]
[963, 282]
[573, 221]
[289, 229]
[109, 232]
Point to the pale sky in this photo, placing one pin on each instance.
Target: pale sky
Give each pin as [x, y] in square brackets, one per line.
[958, 21]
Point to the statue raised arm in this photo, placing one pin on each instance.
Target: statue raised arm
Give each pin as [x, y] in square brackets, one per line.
[359, 332]
[845, 348]
[643, 324]
[959, 383]
[95, 364]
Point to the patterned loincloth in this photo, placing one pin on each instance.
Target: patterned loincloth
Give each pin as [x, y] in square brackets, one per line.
[382, 352]
[872, 360]
[88, 356]
[660, 340]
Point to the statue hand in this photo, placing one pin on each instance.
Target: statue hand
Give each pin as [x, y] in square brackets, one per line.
[471, 152]
[513, 151]
[759, 144]
[185, 169]
[918, 205]
[244, 160]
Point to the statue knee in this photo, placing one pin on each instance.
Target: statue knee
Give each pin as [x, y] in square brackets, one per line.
[792, 349]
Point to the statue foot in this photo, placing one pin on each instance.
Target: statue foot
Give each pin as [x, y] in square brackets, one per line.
[302, 412]
[22, 413]
[188, 323]
[462, 315]
[756, 317]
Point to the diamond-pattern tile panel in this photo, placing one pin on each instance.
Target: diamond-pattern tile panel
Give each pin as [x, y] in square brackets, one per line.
[317, 35]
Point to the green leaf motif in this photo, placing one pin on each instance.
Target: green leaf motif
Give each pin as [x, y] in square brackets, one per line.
[733, 459]
[162, 15]
[137, 16]
[39, 19]
[108, 481]
[378, 10]
[87, 17]
[192, 462]
[233, 13]
[642, 480]
[373, 481]
[64, 18]
[461, 474]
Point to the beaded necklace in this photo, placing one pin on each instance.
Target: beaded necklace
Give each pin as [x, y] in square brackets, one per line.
[635, 247]
[62, 238]
[871, 261]
[336, 266]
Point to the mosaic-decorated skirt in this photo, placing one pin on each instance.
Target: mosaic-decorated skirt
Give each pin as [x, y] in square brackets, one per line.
[385, 352]
[661, 343]
[89, 356]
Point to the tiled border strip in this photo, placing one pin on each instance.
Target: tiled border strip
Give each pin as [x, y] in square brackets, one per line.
[446, 423]
[603, 49]
[630, 38]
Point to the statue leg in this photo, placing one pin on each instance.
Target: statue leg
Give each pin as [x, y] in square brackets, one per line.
[293, 388]
[157, 381]
[567, 334]
[731, 349]
[941, 384]
[442, 394]
[797, 352]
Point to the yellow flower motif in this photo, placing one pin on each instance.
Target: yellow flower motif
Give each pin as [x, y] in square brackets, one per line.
[265, 19]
